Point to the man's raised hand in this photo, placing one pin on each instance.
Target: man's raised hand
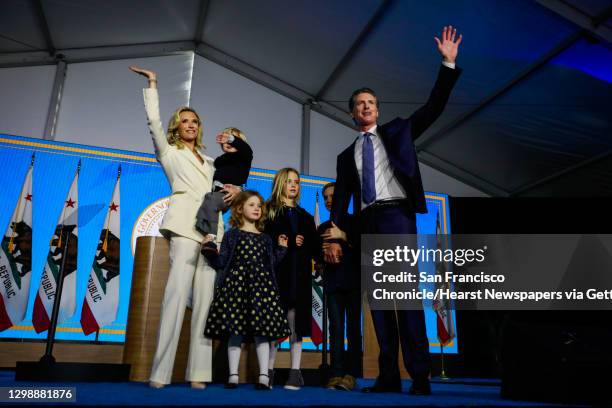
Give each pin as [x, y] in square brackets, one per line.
[449, 45]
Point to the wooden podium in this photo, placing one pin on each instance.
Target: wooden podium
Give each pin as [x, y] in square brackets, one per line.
[151, 265]
[149, 278]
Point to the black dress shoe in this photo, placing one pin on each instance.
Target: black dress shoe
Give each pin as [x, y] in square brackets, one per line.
[377, 388]
[261, 386]
[231, 385]
[420, 388]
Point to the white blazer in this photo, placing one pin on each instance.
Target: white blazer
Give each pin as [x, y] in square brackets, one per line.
[190, 180]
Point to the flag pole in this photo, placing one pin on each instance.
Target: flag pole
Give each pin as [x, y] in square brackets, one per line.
[48, 356]
[443, 375]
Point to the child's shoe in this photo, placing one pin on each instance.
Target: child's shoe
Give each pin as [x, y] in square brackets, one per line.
[295, 380]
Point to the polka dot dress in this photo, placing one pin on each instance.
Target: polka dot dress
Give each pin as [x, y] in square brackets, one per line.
[247, 301]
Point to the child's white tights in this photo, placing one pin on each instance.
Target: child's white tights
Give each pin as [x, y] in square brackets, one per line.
[295, 341]
[262, 347]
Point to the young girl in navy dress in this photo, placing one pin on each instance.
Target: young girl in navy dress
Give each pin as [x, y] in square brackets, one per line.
[246, 303]
[294, 273]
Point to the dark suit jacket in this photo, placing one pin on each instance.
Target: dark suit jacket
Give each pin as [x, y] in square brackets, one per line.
[398, 139]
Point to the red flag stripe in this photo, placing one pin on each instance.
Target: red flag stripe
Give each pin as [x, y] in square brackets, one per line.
[443, 334]
[317, 335]
[5, 320]
[88, 321]
[40, 319]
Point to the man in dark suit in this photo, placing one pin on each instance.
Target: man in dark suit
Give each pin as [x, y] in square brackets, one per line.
[380, 172]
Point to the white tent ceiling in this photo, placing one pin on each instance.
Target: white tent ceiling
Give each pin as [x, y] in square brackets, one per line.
[530, 115]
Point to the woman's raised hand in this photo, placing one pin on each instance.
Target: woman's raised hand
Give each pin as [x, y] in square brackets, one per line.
[150, 75]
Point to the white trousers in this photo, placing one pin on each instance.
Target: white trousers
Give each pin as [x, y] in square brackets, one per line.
[189, 274]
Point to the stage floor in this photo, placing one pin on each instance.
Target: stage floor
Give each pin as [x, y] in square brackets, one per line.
[458, 393]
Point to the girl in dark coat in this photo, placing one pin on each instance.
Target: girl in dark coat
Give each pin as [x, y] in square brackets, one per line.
[294, 274]
[246, 302]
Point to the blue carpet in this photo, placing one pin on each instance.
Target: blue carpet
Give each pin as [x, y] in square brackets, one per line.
[132, 393]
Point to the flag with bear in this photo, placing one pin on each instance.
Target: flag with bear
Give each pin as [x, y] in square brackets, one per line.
[317, 292]
[445, 326]
[16, 258]
[63, 243]
[102, 293]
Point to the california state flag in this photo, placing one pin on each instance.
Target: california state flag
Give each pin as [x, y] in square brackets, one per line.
[316, 323]
[16, 259]
[64, 241]
[102, 295]
[444, 308]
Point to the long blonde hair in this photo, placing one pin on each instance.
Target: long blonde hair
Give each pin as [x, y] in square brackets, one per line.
[275, 202]
[173, 124]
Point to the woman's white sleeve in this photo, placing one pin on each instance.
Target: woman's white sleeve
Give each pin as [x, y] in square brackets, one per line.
[151, 102]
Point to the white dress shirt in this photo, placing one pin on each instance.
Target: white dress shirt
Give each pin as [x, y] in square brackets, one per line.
[387, 185]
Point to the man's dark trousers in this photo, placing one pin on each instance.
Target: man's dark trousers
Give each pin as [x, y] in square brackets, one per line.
[405, 327]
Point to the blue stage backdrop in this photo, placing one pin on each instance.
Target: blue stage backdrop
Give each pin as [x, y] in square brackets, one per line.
[142, 183]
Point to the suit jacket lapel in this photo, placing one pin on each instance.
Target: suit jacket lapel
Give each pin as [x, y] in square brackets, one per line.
[392, 150]
[386, 143]
[355, 182]
[351, 161]
[195, 162]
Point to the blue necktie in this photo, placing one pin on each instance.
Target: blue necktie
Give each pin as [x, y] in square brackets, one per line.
[368, 182]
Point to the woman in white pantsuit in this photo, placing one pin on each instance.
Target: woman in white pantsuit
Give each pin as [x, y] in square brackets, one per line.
[190, 174]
